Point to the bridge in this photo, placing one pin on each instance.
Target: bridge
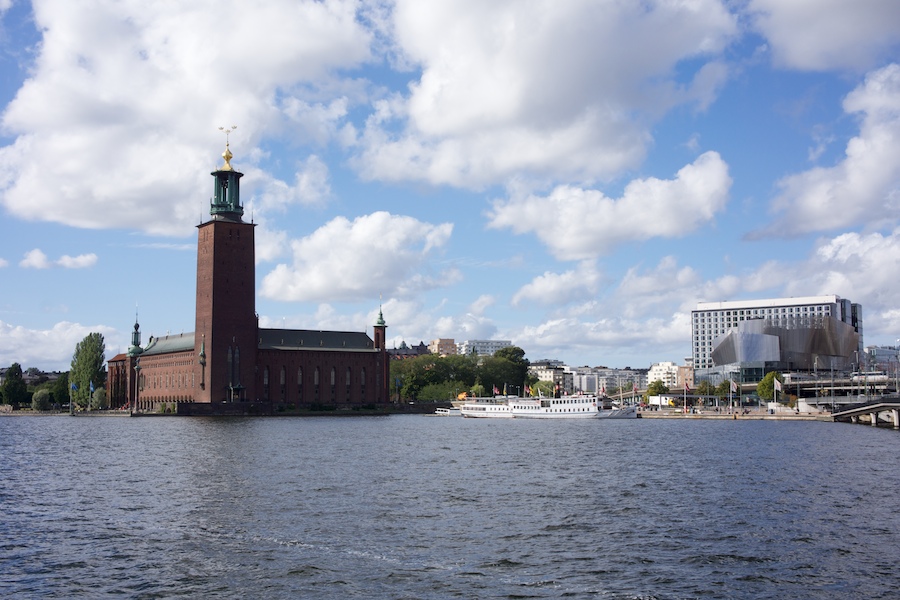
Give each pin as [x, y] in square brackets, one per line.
[885, 411]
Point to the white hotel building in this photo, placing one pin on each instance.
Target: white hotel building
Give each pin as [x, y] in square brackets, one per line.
[784, 333]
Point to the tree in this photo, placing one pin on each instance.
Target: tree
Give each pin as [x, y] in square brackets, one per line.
[705, 388]
[88, 367]
[40, 400]
[656, 388]
[14, 389]
[98, 399]
[542, 388]
[59, 389]
[766, 388]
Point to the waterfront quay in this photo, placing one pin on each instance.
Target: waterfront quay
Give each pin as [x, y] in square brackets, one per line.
[755, 414]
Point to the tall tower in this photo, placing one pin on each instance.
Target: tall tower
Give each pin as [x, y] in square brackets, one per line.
[384, 368]
[225, 341]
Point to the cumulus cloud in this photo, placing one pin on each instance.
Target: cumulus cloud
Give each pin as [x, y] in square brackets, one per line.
[557, 289]
[36, 259]
[120, 109]
[81, 261]
[576, 223]
[351, 260]
[49, 349]
[557, 90]
[862, 188]
[828, 34]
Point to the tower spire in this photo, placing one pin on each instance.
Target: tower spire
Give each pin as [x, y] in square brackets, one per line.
[226, 203]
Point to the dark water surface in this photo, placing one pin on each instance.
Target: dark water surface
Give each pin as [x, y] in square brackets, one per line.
[426, 507]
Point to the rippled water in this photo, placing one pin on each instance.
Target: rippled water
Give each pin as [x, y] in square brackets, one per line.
[425, 507]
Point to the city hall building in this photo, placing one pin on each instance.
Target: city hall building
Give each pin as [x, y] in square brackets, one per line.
[753, 337]
[229, 364]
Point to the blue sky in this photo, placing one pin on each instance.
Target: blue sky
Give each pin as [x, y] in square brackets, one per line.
[573, 176]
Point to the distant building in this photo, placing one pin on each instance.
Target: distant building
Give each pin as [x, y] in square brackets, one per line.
[667, 372]
[553, 371]
[753, 337]
[442, 347]
[481, 347]
[405, 351]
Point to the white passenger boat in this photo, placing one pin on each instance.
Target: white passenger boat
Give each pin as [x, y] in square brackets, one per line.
[447, 412]
[494, 407]
[566, 407]
[611, 410]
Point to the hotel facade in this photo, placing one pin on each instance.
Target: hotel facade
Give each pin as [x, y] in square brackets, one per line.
[784, 334]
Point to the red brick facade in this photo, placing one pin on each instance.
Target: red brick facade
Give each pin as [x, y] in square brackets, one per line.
[228, 359]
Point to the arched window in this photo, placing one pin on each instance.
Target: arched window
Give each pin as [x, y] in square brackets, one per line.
[299, 384]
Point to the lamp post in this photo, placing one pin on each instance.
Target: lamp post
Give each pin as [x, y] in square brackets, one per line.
[816, 377]
[137, 385]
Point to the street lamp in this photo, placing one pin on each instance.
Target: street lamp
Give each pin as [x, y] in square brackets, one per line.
[137, 385]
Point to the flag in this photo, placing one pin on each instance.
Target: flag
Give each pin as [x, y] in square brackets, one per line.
[604, 390]
[733, 386]
[74, 387]
[777, 385]
[496, 391]
[504, 389]
[92, 387]
[634, 387]
[687, 388]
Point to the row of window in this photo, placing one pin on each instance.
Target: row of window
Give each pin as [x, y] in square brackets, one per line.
[282, 382]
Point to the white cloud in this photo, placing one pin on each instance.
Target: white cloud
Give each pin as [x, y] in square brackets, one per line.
[352, 260]
[49, 349]
[558, 90]
[556, 289]
[828, 34]
[114, 126]
[81, 261]
[35, 259]
[3, 263]
[310, 187]
[864, 187]
[577, 224]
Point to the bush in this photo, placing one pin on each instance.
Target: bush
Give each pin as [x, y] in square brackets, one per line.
[40, 400]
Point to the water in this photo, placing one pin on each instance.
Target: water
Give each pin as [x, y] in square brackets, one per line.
[425, 507]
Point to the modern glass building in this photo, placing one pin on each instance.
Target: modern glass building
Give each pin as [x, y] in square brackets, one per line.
[753, 337]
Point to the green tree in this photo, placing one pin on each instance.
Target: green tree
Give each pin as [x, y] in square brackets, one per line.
[59, 389]
[40, 400]
[766, 388]
[656, 388]
[88, 367]
[15, 391]
[705, 388]
[546, 388]
[98, 399]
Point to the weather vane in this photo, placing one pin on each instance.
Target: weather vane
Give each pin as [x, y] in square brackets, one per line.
[227, 155]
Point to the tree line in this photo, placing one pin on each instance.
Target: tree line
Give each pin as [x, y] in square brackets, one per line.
[430, 377]
[84, 383]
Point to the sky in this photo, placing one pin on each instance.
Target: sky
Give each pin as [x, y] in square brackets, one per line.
[570, 175]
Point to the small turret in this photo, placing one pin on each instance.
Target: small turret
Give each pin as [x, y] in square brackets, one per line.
[226, 202]
[135, 348]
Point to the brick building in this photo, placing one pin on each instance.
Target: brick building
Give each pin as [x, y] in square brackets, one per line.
[230, 364]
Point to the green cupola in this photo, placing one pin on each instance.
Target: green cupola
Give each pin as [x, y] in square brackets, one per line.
[226, 202]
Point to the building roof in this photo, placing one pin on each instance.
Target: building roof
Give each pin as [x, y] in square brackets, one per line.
[170, 343]
[768, 303]
[307, 339]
